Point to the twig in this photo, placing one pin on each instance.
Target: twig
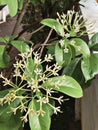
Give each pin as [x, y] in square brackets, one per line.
[40, 45]
[26, 29]
[45, 42]
[35, 31]
[48, 44]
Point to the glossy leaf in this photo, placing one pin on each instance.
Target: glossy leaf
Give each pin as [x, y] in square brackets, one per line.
[12, 5]
[58, 54]
[39, 122]
[4, 57]
[93, 43]
[54, 24]
[89, 66]
[64, 84]
[20, 46]
[67, 56]
[81, 47]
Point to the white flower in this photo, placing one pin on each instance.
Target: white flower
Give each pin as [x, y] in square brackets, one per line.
[38, 71]
[67, 35]
[66, 50]
[37, 60]
[57, 109]
[61, 42]
[48, 58]
[72, 42]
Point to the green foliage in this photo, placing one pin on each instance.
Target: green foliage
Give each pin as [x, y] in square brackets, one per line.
[64, 84]
[54, 25]
[93, 43]
[62, 67]
[58, 54]
[81, 47]
[9, 121]
[70, 69]
[90, 66]
[39, 122]
[4, 57]
[12, 5]
[20, 45]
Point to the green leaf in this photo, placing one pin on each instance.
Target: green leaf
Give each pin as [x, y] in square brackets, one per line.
[81, 47]
[54, 24]
[21, 2]
[20, 46]
[51, 49]
[39, 122]
[93, 42]
[64, 84]
[9, 121]
[34, 2]
[67, 56]
[2, 40]
[73, 33]
[70, 69]
[89, 66]
[29, 70]
[12, 5]
[58, 54]
[4, 57]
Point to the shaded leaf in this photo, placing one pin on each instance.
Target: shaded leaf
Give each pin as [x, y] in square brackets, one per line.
[89, 66]
[70, 69]
[4, 57]
[58, 54]
[9, 121]
[93, 42]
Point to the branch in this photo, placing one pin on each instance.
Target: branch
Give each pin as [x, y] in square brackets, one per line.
[35, 31]
[46, 42]
[13, 52]
[20, 17]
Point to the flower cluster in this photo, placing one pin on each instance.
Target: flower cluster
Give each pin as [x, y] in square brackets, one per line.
[74, 24]
[29, 76]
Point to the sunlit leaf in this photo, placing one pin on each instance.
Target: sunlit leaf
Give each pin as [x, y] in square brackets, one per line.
[54, 24]
[80, 46]
[64, 84]
[39, 122]
[21, 46]
[12, 5]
